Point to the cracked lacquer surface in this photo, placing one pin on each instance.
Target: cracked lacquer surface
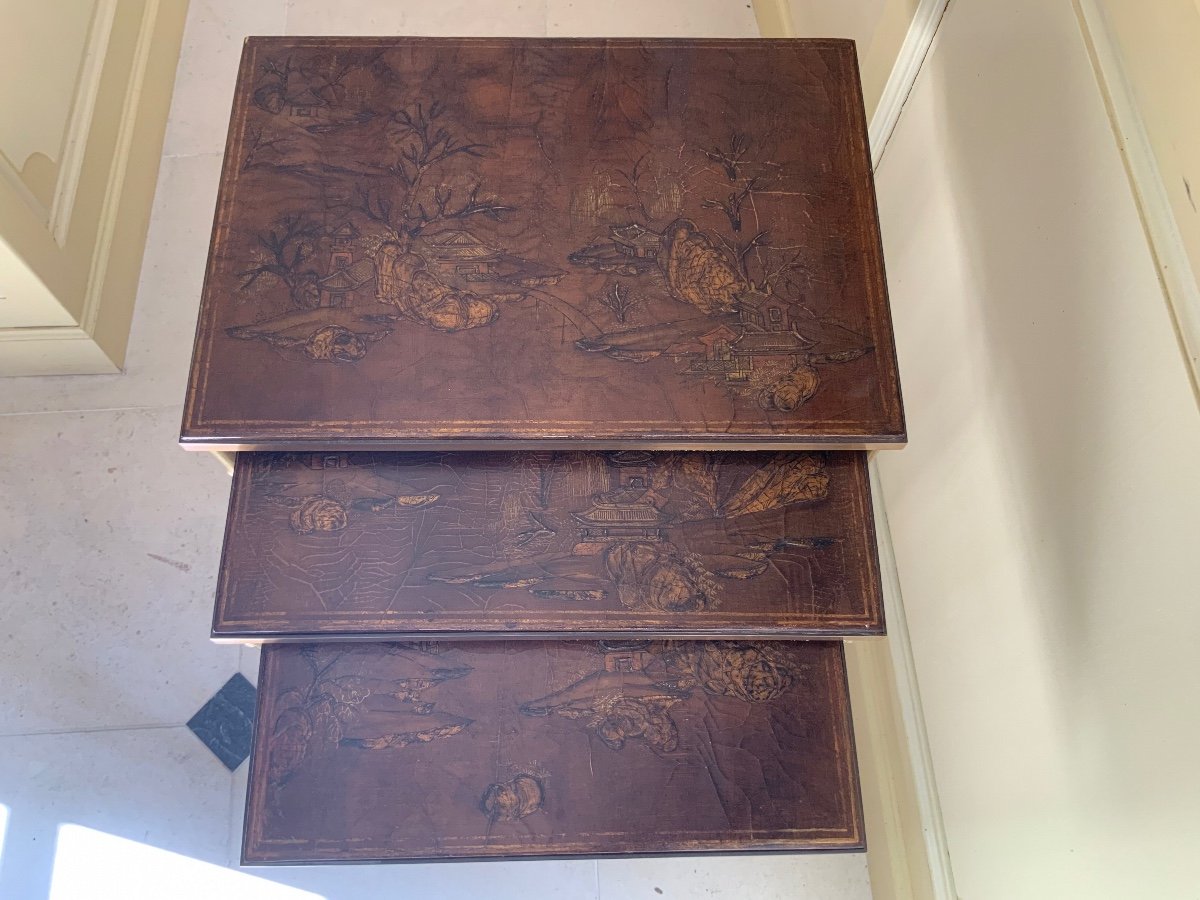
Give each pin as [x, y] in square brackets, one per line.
[630, 242]
[425, 750]
[722, 543]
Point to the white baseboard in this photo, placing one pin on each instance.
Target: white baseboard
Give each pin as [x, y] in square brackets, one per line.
[66, 350]
[914, 50]
[1154, 206]
[917, 850]
[774, 19]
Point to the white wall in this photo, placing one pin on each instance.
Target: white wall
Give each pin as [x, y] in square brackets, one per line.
[1046, 514]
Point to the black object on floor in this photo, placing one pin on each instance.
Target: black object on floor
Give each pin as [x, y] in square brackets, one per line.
[226, 722]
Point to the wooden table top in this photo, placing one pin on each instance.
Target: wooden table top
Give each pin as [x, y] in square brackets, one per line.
[549, 544]
[381, 752]
[430, 243]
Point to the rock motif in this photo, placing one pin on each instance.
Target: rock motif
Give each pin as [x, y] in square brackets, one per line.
[404, 282]
[509, 801]
[659, 576]
[698, 273]
[746, 671]
[318, 514]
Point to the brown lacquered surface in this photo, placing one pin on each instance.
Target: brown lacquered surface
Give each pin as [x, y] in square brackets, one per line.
[393, 751]
[592, 544]
[492, 243]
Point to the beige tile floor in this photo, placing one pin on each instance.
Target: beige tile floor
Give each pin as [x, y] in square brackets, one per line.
[109, 541]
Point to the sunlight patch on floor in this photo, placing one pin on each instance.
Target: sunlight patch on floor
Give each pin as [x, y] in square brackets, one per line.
[90, 863]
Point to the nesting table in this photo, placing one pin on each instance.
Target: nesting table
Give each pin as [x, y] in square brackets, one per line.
[549, 367]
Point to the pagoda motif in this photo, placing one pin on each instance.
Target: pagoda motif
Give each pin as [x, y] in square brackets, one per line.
[766, 335]
[625, 513]
[456, 253]
[625, 656]
[346, 274]
[629, 250]
[459, 253]
[324, 460]
[636, 241]
[341, 245]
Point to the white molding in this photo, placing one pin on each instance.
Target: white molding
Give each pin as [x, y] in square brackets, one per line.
[83, 109]
[1154, 205]
[45, 333]
[908, 695]
[13, 176]
[909, 60]
[71, 152]
[111, 209]
[92, 346]
[896, 856]
[65, 350]
[774, 19]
